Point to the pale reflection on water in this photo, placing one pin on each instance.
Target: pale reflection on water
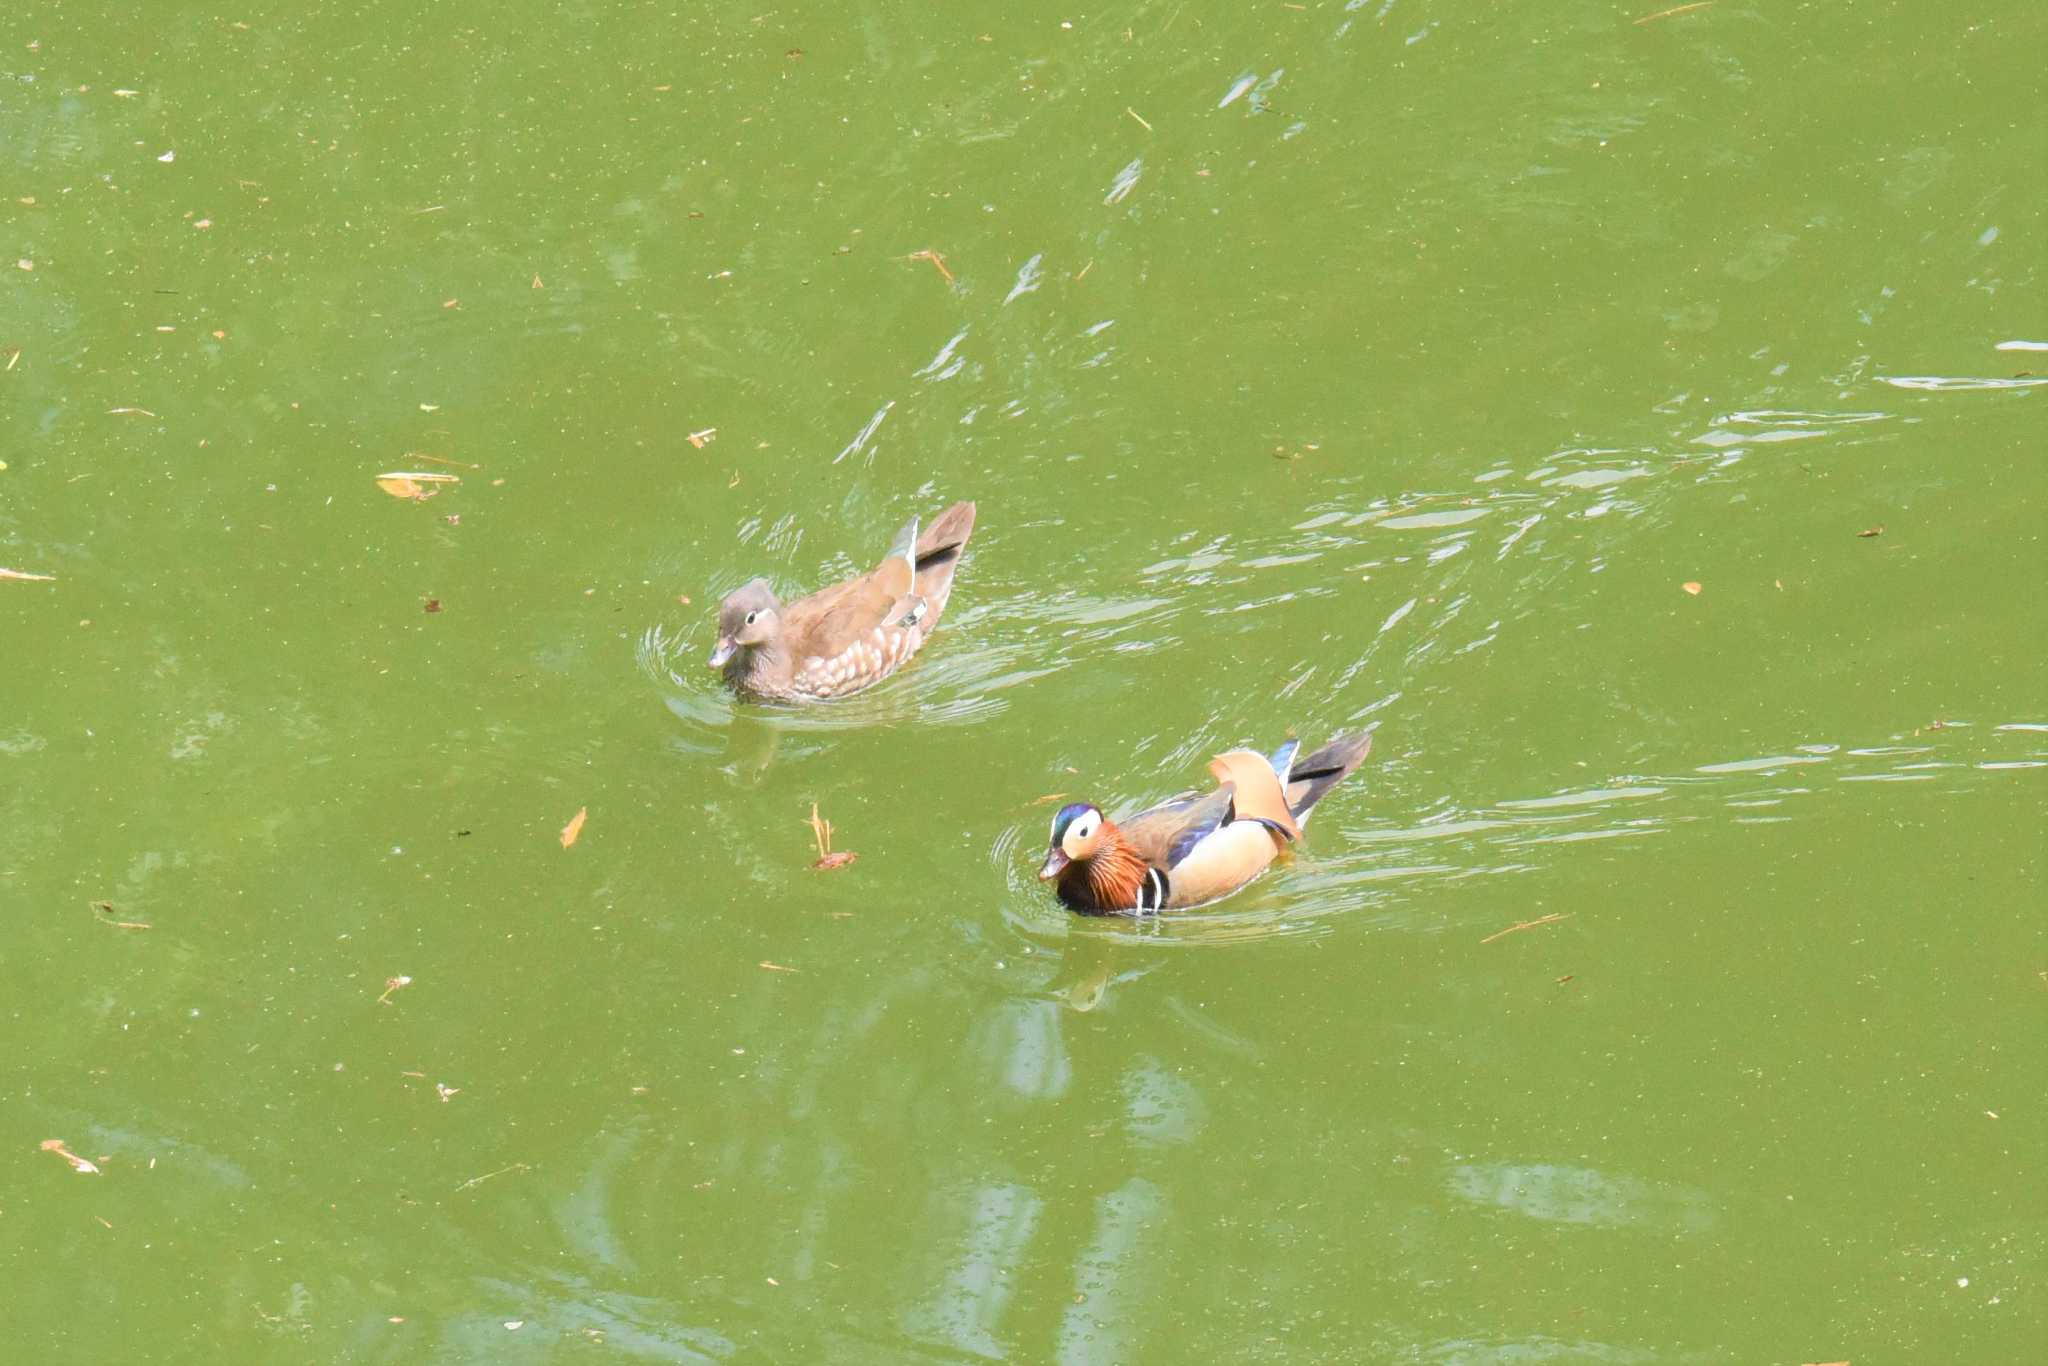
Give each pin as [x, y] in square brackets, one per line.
[1580, 1195]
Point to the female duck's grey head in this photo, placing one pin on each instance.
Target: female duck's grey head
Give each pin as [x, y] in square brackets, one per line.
[750, 615]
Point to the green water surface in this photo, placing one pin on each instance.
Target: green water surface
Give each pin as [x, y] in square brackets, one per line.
[1633, 423]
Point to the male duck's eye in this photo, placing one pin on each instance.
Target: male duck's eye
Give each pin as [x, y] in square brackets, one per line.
[751, 616]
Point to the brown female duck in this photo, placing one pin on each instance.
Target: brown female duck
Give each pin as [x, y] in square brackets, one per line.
[1194, 849]
[843, 638]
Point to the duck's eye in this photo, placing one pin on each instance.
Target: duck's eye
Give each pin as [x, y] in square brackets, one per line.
[751, 616]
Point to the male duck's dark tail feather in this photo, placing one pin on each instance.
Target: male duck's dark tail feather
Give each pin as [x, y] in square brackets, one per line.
[1309, 779]
[938, 555]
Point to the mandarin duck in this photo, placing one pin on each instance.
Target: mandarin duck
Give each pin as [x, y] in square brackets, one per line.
[843, 638]
[1194, 849]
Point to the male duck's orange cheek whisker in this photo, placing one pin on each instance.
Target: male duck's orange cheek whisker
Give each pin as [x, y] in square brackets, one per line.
[1114, 875]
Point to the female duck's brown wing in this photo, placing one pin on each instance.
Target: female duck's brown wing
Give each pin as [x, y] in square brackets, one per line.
[830, 621]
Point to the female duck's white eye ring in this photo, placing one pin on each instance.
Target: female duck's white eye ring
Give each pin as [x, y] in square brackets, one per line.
[751, 616]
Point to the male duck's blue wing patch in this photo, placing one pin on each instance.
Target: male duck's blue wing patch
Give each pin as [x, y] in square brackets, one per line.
[1162, 835]
[1202, 820]
[1282, 760]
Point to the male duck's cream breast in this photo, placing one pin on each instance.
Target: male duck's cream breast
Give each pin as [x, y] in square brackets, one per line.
[1222, 863]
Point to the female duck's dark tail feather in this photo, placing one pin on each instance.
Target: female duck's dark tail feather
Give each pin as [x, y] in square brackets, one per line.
[938, 555]
[944, 539]
[1309, 779]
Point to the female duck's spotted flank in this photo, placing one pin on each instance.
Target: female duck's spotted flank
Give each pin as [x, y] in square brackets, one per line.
[843, 638]
[1194, 849]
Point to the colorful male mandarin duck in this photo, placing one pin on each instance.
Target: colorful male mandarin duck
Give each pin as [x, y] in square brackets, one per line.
[1194, 849]
[843, 638]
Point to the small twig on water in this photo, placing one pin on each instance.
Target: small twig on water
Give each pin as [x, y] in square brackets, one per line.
[1139, 117]
[929, 255]
[479, 1180]
[1550, 919]
[106, 908]
[1671, 13]
[821, 831]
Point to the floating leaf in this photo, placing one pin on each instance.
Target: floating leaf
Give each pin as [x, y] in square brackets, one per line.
[1692, 588]
[23, 576]
[574, 829]
[1868, 532]
[417, 485]
[837, 859]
